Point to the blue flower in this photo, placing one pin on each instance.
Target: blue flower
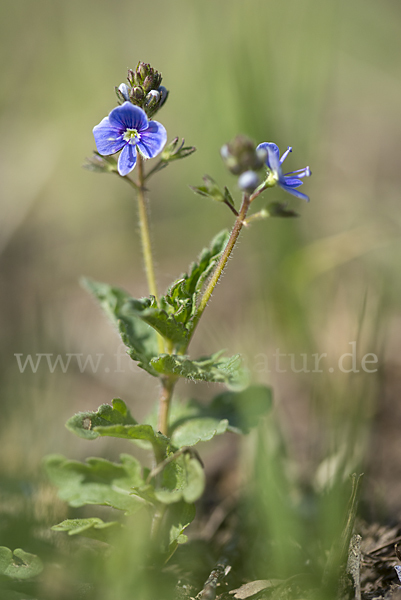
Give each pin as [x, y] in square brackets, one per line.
[288, 181]
[127, 128]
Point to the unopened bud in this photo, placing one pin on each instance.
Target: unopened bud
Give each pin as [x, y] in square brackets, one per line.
[152, 99]
[148, 82]
[137, 95]
[163, 95]
[248, 181]
[124, 90]
[240, 155]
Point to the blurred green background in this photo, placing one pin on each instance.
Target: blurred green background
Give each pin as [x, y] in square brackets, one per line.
[321, 76]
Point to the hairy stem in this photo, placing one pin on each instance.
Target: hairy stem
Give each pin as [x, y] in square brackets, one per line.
[145, 234]
[145, 240]
[166, 395]
[239, 223]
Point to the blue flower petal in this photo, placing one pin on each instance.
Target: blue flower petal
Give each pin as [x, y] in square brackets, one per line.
[293, 191]
[109, 140]
[273, 155]
[127, 160]
[128, 116]
[152, 140]
[293, 182]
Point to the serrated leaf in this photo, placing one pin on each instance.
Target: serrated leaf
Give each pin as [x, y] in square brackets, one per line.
[97, 481]
[197, 430]
[183, 479]
[83, 424]
[159, 319]
[192, 422]
[19, 564]
[213, 368]
[135, 432]
[139, 337]
[92, 528]
[183, 293]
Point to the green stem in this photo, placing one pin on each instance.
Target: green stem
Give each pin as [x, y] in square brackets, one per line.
[145, 234]
[166, 395]
[145, 240]
[239, 223]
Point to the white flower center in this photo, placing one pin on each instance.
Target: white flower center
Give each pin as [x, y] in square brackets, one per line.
[131, 136]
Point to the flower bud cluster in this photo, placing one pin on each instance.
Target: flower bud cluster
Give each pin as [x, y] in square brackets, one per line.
[243, 158]
[144, 89]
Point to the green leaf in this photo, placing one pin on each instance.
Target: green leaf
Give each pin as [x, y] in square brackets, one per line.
[210, 368]
[183, 294]
[244, 408]
[19, 564]
[197, 430]
[83, 424]
[180, 515]
[92, 528]
[183, 479]
[135, 432]
[192, 422]
[98, 481]
[157, 318]
[137, 335]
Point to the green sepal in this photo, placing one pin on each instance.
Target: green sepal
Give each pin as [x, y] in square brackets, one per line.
[182, 294]
[228, 197]
[212, 368]
[93, 528]
[175, 151]
[19, 564]
[138, 336]
[101, 164]
[97, 481]
[210, 189]
[83, 424]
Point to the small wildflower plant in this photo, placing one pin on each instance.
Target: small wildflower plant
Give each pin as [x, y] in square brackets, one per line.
[157, 331]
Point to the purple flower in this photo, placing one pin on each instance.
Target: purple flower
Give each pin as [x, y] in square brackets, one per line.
[127, 128]
[288, 181]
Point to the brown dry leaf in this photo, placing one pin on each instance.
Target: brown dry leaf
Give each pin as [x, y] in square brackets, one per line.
[254, 587]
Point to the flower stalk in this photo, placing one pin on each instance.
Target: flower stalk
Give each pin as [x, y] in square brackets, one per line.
[239, 223]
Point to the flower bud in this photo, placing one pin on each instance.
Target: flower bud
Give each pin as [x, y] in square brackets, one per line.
[130, 77]
[148, 82]
[124, 90]
[137, 95]
[163, 95]
[142, 70]
[240, 155]
[152, 99]
[248, 181]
